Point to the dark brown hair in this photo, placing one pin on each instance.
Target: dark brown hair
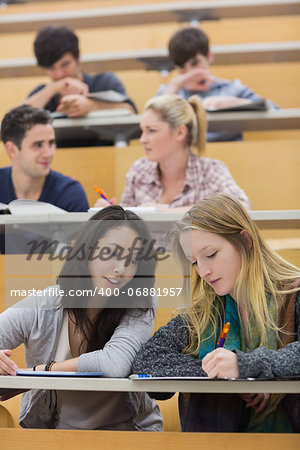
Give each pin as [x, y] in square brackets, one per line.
[19, 120]
[186, 43]
[52, 42]
[75, 275]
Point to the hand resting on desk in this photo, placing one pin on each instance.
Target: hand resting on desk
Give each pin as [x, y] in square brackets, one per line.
[7, 365]
[75, 105]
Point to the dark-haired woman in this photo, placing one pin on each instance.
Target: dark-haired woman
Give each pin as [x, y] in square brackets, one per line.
[97, 325]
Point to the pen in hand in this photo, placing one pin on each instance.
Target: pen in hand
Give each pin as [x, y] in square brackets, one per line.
[101, 193]
[223, 335]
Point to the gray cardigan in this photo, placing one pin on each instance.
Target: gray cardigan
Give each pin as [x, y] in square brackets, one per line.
[162, 355]
[37, 321]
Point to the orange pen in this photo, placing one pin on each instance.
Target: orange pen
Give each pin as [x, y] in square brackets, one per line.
[223, 335]
[101, 193]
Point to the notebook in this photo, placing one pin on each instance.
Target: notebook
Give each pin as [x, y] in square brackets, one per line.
[42, 373]
[28, 207]
[258, 105]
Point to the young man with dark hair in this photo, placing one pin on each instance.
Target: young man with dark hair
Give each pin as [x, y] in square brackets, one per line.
[29, 140]
[57, 51]
[190, 52]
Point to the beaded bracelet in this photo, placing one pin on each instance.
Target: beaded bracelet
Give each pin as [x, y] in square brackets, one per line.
[49, 365]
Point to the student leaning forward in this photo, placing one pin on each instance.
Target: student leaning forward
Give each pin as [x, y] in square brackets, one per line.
[235, 278]
[100, 332]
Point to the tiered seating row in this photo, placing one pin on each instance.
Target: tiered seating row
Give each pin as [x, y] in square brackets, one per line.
[157, 59]
[152, 13]
[266, 170]
[120, 129]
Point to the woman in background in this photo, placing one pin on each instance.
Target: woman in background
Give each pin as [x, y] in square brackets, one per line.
[175, 172]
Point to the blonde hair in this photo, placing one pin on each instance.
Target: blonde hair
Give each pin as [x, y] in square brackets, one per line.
[177, 111]
[264, 275]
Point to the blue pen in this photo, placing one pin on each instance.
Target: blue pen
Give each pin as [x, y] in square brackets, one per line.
[101, 193]
[136, 376]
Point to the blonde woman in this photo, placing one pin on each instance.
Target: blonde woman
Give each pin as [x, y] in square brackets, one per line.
[235, 278]
[174, 171]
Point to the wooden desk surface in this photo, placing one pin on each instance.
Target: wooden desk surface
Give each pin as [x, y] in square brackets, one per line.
[146, 385]
[264, 219]
[122, 129]
[12, 438]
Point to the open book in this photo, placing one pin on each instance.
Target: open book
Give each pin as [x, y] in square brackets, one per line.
[52, 373]
[28, 207]
[108, 96]
[257, 105]
[100, 114]
[135, 209]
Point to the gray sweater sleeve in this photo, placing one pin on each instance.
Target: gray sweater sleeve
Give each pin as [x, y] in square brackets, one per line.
[34, 322]
[16, 324]
[116, 358]
[37, 324]
[263, 362]
[161, 355]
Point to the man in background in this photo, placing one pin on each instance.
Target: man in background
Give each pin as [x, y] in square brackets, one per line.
[57, 51]
[29, 140]
[189, 51]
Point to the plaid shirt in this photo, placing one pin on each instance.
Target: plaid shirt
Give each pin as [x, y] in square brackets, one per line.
[204, 176]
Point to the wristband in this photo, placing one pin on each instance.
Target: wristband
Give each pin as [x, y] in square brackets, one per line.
[49, 365]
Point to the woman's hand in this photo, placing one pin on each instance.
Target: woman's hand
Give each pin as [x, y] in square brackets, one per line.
[101, 203]
[7, 365]
[256, 401]
[221, 363]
